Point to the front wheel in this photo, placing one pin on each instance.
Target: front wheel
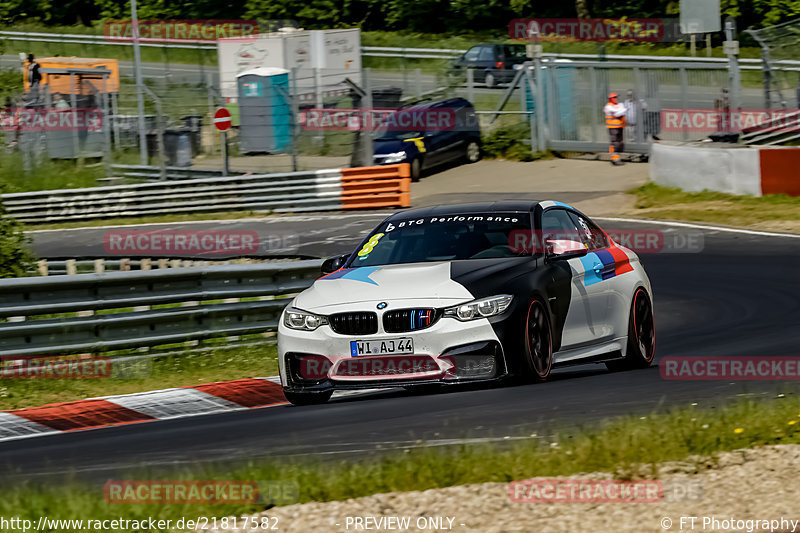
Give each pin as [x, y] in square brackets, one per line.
[308, 398]
[538, 343]
[416, 170]
[641, 335]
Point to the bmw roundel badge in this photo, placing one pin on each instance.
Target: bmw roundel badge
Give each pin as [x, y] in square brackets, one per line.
[382, 305]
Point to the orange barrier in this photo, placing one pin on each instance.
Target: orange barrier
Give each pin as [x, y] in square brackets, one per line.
[373, 187]
[779, 171]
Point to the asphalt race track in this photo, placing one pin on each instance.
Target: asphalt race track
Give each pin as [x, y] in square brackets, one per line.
[739, 296]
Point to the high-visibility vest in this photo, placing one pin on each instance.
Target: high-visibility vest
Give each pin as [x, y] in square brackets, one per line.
[615, 122]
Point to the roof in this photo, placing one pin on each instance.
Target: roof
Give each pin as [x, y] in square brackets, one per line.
[523, 206]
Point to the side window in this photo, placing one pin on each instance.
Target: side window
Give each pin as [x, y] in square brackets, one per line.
[590, 234]
[556, 221]
[472, 53]
[486, 54]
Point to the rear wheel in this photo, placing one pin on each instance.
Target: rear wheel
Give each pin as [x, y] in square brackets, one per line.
[308, 398]
[641, 335]
[489, 80]
[538, 343]
[416, 170]
[473, 151]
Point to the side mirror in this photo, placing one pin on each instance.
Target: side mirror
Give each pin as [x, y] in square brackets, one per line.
[560, 249]
[332, 264]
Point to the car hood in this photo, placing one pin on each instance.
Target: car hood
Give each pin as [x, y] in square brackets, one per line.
[428, 284]
[390, 146]
[435, 284]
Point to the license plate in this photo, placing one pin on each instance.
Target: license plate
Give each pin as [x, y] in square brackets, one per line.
[403, 345]
[517, 67]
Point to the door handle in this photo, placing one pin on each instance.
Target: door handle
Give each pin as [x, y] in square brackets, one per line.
[598, 268]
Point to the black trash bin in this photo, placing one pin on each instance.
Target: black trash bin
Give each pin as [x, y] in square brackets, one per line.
[194, 125]
[177, 148]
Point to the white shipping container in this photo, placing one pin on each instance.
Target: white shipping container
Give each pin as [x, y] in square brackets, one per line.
[335, 54]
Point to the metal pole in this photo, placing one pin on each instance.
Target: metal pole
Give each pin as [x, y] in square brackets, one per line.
[106, 125]
[540, 123]
[159, 134]
[295, 115]
[209, 86]
[224, 142]
[137, 62]
[734, 77]
[369, 154]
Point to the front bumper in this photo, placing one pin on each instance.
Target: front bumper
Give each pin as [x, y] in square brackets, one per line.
[449, 351]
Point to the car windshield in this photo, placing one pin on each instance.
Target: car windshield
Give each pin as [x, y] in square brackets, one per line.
[443, 238]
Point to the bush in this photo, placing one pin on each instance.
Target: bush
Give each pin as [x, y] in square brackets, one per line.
[15, 256]
[506, 142]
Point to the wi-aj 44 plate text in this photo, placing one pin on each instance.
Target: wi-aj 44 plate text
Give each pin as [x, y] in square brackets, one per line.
[404, 345]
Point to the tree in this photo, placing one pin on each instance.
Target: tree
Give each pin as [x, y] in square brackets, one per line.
[16, 258]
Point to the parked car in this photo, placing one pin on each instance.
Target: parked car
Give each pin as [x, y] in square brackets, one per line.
[491, 64]
[424, 149]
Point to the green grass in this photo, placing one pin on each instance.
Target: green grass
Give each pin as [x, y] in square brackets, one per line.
[656, 201]
[171, 371]
[628, 447]
[47, 174]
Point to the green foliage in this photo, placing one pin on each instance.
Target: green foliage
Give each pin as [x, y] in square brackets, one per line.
[450, 16]
[15, 256]
[506, 142]
[627, 447]
[10, 82]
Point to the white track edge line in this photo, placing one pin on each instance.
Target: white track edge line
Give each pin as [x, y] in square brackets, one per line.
[701, 226]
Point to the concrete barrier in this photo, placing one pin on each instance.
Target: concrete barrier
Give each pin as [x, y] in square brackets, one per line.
[726, 168]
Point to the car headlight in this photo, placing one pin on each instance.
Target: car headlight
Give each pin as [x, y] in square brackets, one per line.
[483, 308]
[395, 157]
[297, 319]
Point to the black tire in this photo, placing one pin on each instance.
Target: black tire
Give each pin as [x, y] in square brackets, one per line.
[489, 80]
[537, 343]
[472, 153]
[308, 398]
[641, 335]
[416, 169]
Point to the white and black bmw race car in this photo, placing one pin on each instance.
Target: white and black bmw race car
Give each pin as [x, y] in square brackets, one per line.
[472, 292]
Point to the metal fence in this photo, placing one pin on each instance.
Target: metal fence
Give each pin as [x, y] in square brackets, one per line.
[184, 80]
[131, 310]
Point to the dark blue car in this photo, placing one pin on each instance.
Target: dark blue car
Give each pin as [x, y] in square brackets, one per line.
[430, 146]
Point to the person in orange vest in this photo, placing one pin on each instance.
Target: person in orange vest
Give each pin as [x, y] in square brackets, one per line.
[615, 123]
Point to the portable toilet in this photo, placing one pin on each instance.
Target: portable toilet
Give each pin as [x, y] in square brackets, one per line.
[264, 113]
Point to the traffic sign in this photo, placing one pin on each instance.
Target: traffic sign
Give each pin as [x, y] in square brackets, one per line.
[222, 119]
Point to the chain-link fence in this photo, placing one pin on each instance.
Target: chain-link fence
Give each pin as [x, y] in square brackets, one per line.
[570, 116]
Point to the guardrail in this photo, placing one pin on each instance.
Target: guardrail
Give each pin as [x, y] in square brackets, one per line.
[333, 189]
[206, 304]
[72, 266]
[79, 38]
[377, 51]
[173, 173]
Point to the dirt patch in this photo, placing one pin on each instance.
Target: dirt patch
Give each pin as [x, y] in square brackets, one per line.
[752, 484]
